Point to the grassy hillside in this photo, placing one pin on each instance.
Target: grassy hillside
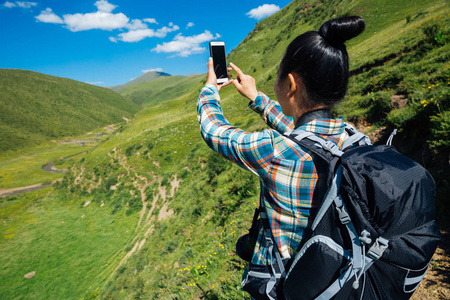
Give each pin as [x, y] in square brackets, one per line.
[176, 208]
[154, 92]
[146, 77]
[36, 108]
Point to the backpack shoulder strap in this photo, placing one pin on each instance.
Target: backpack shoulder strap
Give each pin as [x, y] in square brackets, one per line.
[325, 149]
[316, 144]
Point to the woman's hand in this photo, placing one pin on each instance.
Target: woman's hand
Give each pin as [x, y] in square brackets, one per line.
[245, 84]
[211, 77]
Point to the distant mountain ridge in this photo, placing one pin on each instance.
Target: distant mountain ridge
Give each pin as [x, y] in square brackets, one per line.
[161, 89]
[146, 77]
[36, 108]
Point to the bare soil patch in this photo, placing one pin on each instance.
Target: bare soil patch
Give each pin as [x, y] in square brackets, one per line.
[399, 101]
[436, 284]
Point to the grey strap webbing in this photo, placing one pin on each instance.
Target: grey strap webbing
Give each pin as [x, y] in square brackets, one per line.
[300, 134]
[329, 198]
[359, 138]
[357, 263]
[272, 250]
[273, 279]
[360, 263]
[337, 285]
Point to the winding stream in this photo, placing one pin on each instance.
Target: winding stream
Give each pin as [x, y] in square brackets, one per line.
[49, 167]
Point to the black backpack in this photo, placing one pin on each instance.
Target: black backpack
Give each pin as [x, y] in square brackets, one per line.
[373, 236]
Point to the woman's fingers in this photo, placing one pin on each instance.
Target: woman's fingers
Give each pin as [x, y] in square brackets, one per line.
[211, 77]
[224, 84]
[237, 70]
[245, 84]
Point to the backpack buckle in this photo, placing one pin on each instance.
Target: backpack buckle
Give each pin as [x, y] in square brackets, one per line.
[332, 148]
[343, 215]
[377, 249]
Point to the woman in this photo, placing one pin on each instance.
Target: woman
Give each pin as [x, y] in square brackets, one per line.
[312, 77]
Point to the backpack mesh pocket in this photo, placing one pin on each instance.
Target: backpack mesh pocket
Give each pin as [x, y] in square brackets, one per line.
[318, 264]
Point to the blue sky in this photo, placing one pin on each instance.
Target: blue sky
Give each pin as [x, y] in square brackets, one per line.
[109, 42]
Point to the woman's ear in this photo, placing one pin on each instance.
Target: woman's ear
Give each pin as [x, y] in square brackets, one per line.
[294, 84]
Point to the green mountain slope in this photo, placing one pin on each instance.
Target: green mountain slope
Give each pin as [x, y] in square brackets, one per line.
[188, 252]
[154, 92]
[184, 206]
[36, 108]
[146, 77]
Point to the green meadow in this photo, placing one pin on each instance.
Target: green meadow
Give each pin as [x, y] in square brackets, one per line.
[66, 246]
[37, 108]
[150, 212]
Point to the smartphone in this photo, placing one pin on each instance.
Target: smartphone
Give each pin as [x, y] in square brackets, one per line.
[217, 52]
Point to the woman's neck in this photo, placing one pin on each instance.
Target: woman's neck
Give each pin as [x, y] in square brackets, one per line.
[300, 112]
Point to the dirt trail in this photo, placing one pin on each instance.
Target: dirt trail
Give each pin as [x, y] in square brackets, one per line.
[81, 142]
[141, 182]
[23, 189]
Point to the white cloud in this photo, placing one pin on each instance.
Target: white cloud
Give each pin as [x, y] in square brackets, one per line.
[136, 35]
[189, 25]
[162, 32]
[25, 4]
[105, 6]
[95, 82]
[47, 16]
[22, 4]
[140, 34]
[102, 19]
[133, 30]
[9, 4]
[153, 70]
[150, 20]
[98, 20]
[263, 11]
[136, 24]
[185, 46]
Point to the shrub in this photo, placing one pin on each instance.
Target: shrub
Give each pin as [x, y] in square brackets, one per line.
[129, 151]
[165, 179]
[110, 182]
[215, 165]
[134, 205]
[379, 106]
[183, 173]
[434, 34]
[440, 131]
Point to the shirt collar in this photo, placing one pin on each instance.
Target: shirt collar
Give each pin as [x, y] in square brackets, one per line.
[320, 121]
[311, 115]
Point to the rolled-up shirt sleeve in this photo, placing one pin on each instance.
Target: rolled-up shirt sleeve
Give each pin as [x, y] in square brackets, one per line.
[252, 151]
[271, 113]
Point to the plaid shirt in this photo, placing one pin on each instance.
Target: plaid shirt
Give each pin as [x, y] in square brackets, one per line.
[289, 174]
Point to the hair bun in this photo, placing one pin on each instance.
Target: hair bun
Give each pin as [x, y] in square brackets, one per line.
[337, 31]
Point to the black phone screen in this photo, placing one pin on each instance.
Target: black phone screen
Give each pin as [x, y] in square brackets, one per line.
[220, 61]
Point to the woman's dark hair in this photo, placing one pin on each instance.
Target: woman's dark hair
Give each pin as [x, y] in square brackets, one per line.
[321, 60]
